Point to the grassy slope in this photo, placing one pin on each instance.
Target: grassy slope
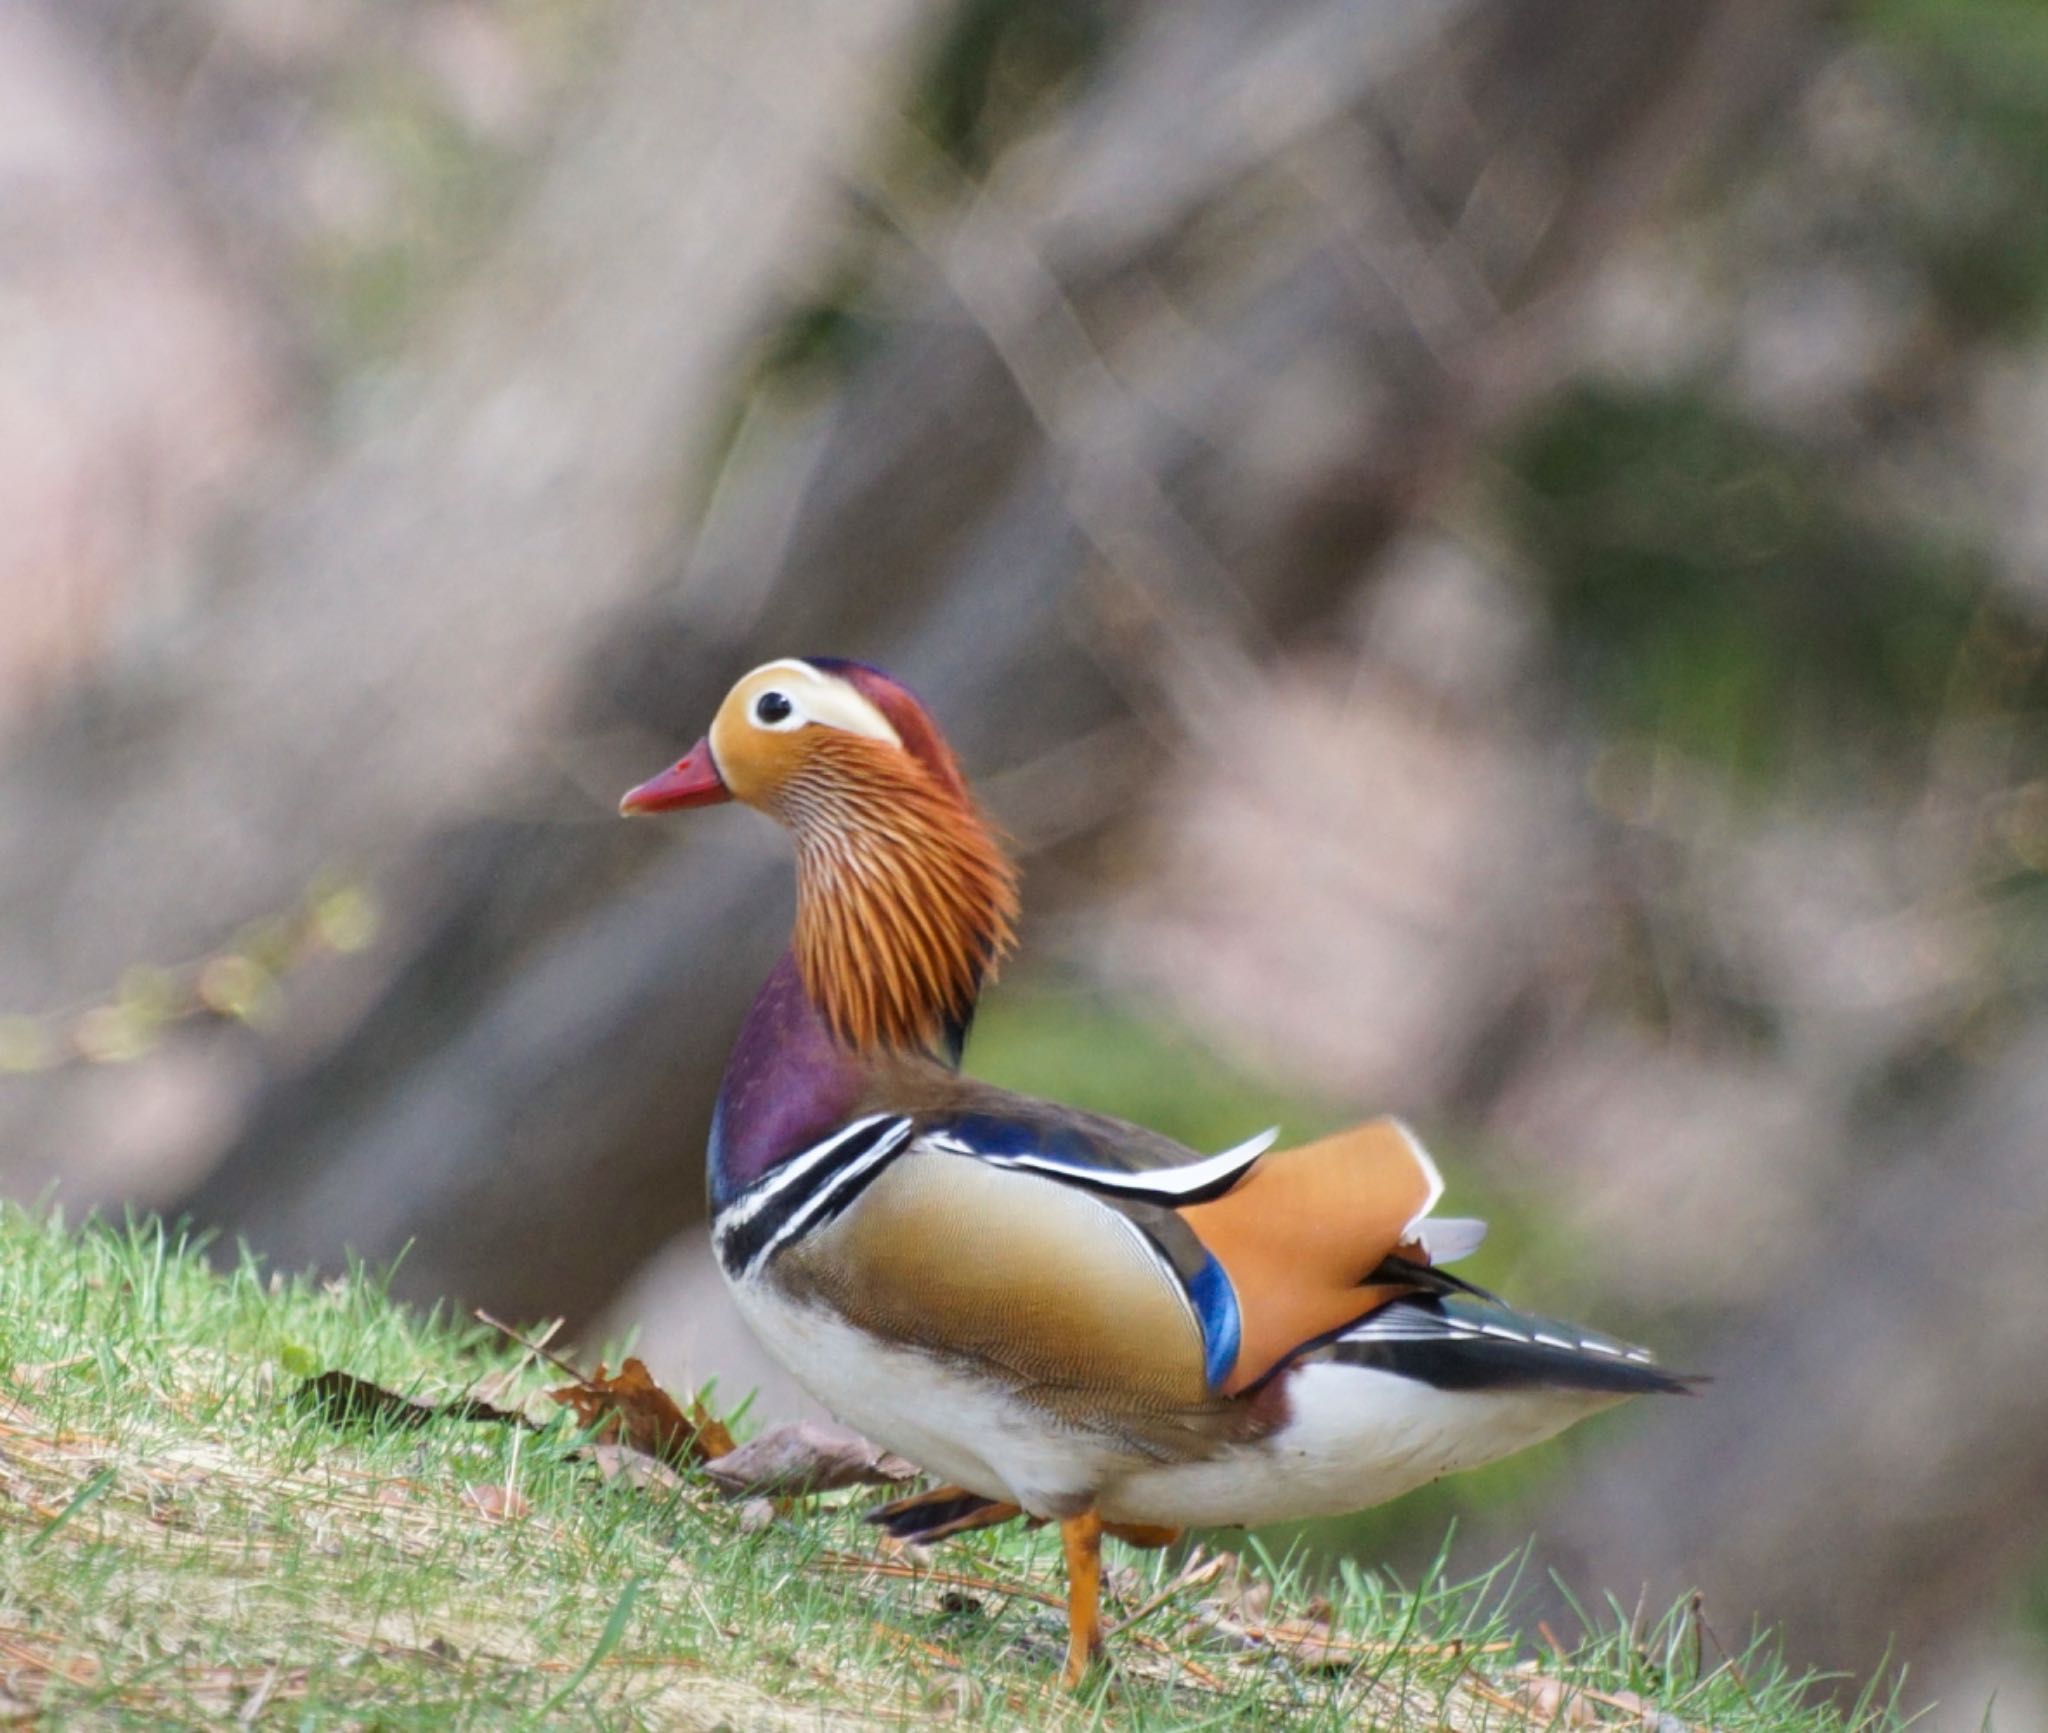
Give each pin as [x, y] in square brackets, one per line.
[179, 1545]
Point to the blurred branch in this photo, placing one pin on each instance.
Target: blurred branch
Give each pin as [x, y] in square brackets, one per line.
[1901, 1488]
[401, 626]
[431, 654]
[525, 1101]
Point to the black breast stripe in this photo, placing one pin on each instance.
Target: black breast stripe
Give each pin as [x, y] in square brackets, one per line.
[804, 1193]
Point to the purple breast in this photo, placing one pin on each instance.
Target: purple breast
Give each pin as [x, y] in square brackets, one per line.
[787, 1085]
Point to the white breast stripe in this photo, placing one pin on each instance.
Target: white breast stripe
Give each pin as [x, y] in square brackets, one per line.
[1164, 1182]
[885, 1147]
[743, 1209]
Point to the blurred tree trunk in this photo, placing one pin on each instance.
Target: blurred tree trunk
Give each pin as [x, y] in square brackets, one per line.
[1867, 1466]
[1141, 407]
[1048, 501]
[385, 650]
[1108, 441]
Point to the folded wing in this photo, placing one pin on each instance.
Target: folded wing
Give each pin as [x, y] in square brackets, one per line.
[1304, 1235]
[1071, 1252]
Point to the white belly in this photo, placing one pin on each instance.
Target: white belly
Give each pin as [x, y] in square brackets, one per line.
[955, 1427]
[1354, 1437]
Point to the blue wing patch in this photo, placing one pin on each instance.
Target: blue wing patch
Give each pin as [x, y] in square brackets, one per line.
[995, 1137]
[1222, 1325]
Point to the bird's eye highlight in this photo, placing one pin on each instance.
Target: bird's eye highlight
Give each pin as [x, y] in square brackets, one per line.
[772, 707]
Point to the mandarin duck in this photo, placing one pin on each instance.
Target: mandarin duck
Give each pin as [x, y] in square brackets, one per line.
[1061, 1314]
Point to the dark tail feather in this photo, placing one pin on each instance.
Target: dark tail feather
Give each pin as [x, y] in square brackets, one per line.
[1459, 1340]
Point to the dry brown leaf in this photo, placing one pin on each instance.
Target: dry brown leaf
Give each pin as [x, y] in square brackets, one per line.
[1558, 1703]
[807, 1457]
[341, 1398]
[1239, 1608]
[1648, 1717]
[632, 1409]
[1554, 1702]
[616, 1462]
[495, 1502]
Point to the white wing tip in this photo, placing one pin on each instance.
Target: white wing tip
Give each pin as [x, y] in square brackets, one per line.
[1448, 1240]
[1251, 1148]
[1430, 1172]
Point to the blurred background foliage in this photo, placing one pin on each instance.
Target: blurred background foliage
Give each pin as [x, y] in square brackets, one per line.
[1494, 560]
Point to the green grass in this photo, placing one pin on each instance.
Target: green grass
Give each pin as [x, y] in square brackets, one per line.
[182, 1545]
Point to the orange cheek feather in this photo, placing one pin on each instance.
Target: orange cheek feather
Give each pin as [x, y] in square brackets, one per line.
[755, 762]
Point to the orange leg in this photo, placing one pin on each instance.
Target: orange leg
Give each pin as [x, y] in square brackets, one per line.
[1082, 1537]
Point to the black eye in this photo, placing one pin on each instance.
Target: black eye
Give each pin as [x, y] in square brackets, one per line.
[772, 707]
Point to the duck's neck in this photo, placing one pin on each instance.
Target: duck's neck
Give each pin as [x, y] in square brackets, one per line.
[786, 1086]
[904, 902]
[904, 907]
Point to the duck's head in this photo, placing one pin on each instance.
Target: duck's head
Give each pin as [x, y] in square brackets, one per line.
[795, 729]
[905, 899]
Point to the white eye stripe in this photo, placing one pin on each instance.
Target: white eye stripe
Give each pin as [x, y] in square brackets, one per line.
[815, 696]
